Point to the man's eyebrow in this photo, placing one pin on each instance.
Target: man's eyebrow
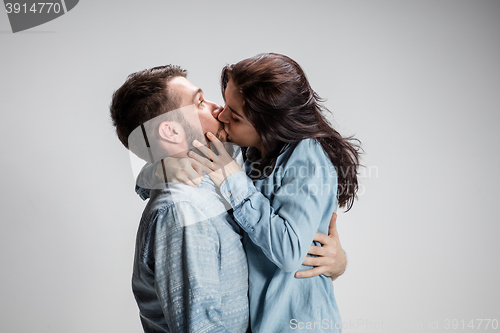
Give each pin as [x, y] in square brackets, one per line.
[196, 93]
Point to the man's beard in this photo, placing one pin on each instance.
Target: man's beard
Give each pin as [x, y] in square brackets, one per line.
[192, 134]
[223, 138]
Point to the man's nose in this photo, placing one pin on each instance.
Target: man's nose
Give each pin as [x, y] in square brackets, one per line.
[217, 109]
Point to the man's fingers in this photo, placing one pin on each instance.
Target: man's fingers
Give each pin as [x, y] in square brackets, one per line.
[322, 238]
[318, 261]
[327, 252]
[310, 272]
[195, 171]
[317, 250]
[194, 178]
[190, 183]
[332, 228]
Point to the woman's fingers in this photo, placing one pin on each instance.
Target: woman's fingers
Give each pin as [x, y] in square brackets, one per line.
[206, 165]
[205, 150]
[197, 167]
[218, 167]
[218, 160]
[218, 145]
[203, 167]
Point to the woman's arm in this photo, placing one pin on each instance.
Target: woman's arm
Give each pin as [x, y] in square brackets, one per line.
[284, 226]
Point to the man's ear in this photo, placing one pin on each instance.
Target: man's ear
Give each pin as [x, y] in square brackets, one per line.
[171, 131]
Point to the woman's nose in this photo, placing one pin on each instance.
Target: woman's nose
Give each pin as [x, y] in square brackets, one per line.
[224, 115]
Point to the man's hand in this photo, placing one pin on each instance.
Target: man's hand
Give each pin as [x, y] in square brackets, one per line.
[179, 170]
[331, 260]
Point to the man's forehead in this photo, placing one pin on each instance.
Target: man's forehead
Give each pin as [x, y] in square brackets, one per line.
[183, 88]
[181, 84]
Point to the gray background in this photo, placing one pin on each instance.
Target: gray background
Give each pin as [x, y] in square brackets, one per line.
[417, 81]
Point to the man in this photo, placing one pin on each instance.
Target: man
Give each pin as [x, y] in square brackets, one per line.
[190, 269]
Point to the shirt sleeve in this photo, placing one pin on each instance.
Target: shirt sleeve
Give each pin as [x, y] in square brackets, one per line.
[284, 225]
[187, 270]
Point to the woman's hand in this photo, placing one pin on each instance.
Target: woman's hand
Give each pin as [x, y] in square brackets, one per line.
[179, 170]
[218, 167]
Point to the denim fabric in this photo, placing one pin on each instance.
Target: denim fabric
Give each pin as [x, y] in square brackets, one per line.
[280, 215]
[190, 269]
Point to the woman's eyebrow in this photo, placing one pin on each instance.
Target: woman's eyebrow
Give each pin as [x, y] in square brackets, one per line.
[232, 111]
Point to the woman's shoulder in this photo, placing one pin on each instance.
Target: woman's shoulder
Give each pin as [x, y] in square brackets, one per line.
[308, 149]
[309, 144]
[307, 152]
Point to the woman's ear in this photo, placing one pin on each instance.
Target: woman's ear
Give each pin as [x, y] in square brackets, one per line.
[171, 131]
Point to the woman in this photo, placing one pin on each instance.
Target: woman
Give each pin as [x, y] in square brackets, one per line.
[297, 168]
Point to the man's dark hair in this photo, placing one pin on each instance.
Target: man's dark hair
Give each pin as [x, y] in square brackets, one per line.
[142, 97]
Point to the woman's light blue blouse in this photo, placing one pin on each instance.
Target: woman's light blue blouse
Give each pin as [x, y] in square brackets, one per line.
[280, 215]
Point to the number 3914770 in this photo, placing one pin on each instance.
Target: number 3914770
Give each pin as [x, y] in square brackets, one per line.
[36, 8]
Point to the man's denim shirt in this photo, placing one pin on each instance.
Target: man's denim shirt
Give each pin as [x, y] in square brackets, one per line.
[190, 269]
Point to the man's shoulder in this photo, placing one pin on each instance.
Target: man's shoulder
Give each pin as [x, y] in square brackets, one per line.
[185, 203]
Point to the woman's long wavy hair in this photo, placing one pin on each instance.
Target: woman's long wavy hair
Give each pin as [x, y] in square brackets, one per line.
[284, 110]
